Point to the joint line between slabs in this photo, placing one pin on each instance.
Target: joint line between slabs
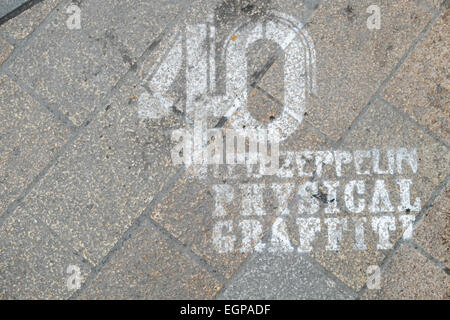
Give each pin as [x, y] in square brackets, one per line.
[54, 111]
[19, 10]
[66, 147]
[128, 233]
[419, 217]
[413, 245]
[21, 45]
[389, 77]
[306, 122]
[416, 124]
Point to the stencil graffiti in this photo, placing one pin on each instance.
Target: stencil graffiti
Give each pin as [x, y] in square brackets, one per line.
[311, 202]
[367, 203]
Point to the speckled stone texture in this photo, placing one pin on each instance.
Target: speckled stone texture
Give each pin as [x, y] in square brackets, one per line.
[29, 138]
[87, 180]
[149, 266]
[278, 276]
[91, 60]
[353, 61]
[33, 261]
[114, 170]
[409, 275]
[434, 4]
[9, 5]
[5, 50]
[433, 232]
[421, 88]
[21, 26]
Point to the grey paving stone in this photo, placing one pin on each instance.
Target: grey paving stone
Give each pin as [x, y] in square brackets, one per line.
[421, 87]
[74, 69]
[381, 127]
[150, 266]
[434, 4]
[105, 180]
[226, 16]
[281, 277]
[410, 276]
[29, 138]
[131, 25]
[9, 5]
[433, 232]
[187, 210]
[21, 26]
[262, 107]
[351, 60]
[120, 164]
[33, 262]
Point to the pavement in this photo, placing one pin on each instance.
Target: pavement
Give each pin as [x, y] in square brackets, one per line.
[93, 205]
[8, 6]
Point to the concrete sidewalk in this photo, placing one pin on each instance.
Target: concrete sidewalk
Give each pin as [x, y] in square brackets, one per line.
[93, 206]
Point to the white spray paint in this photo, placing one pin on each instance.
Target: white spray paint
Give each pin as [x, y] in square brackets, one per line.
[381, 196]
[283, 192]
[192, 148]
[408, 155]
[223, 243]
[405, 196]
[382, 225]
[308, 204]
[359, 233]
[252, 231]
[342, 157]
[359, 157]
[349, 199]
[224, 196]
[336, 227]
[407, 224]
[252, 199]
[332, 198]
[201, 97]
[280, 240]
[154, 104]
[307, 228]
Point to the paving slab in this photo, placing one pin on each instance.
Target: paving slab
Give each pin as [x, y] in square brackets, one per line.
[30, 137]
[434, 4]
[91, 60]
[105, 180]
[421, 87]
[24, 24]
[33, 262]
[282, 277]
[352, 61]
[149, 266]
[10, 5]
[410, 276]
[187, 211]
[432, 233]
[363, 150]
[382, 128]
